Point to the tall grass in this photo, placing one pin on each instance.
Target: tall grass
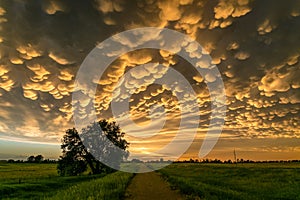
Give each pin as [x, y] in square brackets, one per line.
[35, 181]
[227, 181]
[24, 171]
[110, 187]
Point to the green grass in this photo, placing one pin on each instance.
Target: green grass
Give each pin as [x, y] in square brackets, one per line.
[204, 181]
[228, 181]
[110, 187]
[37, 181]
[13, 172]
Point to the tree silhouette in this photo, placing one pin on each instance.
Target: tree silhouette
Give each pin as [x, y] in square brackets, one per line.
[39, 158]
[101, 141]
[31, 159]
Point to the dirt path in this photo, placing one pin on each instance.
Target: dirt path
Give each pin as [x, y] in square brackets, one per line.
[150, 186]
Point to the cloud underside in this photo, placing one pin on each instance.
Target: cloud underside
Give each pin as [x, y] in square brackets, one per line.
[254, 45]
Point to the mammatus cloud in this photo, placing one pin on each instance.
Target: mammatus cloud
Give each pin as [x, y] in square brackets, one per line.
[254, 44]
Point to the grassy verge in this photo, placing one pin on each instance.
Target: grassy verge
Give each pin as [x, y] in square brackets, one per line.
[245, 181]
[110, 187]
[34, 181]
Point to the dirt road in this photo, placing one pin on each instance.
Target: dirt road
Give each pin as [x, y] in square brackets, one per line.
[150, 186]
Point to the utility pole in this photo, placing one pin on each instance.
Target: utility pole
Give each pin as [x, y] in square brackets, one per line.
[234, 154]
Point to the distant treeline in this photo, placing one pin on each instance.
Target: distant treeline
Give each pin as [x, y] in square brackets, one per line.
[40, 159]
[213, 161]
[237, 161]
[31, 159]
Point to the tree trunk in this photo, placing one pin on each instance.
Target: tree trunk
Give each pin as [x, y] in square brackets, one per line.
[89, 159]
[98, 167]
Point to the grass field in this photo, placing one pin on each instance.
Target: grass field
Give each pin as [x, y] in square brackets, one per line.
[195, 181]
[228, 181]
[110, 187]
[39, 181]
[10, 172]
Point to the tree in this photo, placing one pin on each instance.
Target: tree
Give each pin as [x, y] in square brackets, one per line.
[35, 159]
[100, 141]
[71, 165]
[39, 158]
[31, 159]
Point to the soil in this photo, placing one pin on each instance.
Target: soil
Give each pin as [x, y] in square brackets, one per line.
[150, 186]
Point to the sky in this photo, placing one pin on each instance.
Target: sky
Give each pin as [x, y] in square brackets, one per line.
[254, 44]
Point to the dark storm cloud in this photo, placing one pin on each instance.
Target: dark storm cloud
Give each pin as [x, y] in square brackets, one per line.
[43, 44]
[255, 45]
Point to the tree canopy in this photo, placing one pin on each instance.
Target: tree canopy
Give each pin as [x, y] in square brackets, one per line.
[100, 142]
[35, 159]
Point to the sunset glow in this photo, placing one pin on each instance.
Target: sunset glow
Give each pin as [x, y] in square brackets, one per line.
[253, 44]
